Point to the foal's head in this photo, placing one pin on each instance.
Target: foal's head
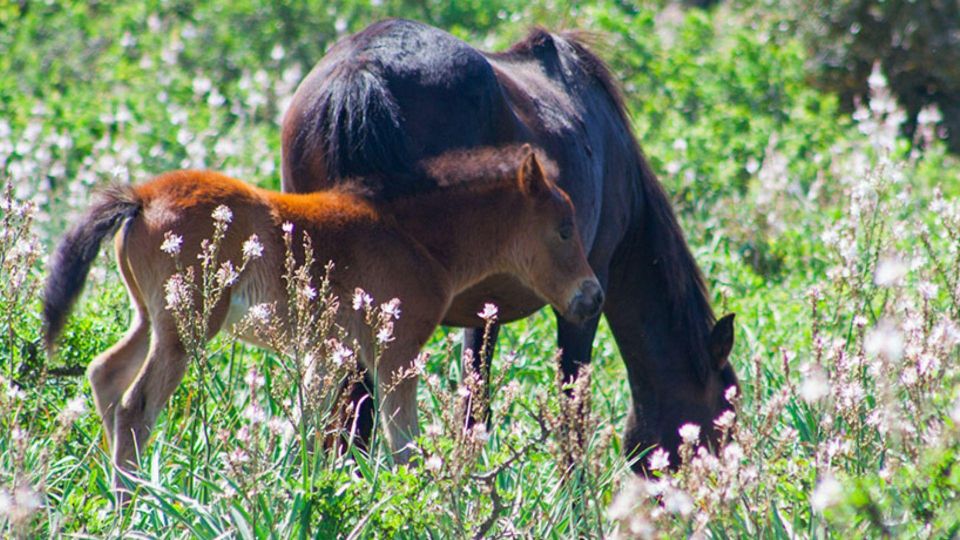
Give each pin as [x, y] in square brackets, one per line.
[548, 252]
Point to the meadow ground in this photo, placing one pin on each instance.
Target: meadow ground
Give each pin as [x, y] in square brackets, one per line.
[834, 239]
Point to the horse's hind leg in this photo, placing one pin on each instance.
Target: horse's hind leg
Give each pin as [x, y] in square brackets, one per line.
[112, 372]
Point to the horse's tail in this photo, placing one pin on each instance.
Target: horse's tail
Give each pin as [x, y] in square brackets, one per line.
[355, 125]
[71, 261]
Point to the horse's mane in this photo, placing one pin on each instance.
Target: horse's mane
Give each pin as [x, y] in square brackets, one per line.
[674, 263]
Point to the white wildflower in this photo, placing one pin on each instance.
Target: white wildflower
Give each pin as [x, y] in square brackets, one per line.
[237, 457]
[222, 214]
[690, 433]
[255, 414]
[955, 411]
[391, 309]
[434, 463]
[287, 227]
[22, 505]
[815, 385]
[340, 354]
[659, 460]
[73, 410]
[227, 275]
[928, 290]
[171, 243]
[177, 292]
[479, 432]
[489, 312]
[676, 501]
[308, 292]
[260, 313]
[725, 420]
[361, 300]
[732, 453]
[280, 427]
[890, 271]
[385, 334]
[6, 503]
[884, 340]
[252, 248]
[827, 493]
[15, 393]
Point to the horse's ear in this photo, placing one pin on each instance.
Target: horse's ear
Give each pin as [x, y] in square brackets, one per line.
[721, 341]
[531, 176]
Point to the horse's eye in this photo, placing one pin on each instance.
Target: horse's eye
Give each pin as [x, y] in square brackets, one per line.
[566, 231]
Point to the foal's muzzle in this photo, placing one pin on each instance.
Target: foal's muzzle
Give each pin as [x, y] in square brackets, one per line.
[586, 303]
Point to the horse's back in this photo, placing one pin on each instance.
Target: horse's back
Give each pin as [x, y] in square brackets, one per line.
[399, 91]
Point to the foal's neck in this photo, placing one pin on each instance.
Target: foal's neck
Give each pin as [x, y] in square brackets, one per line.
[468, 230]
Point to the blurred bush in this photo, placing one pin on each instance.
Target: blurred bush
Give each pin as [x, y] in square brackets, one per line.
[917, 43]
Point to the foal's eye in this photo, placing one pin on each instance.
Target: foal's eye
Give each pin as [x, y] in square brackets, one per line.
[566, 231]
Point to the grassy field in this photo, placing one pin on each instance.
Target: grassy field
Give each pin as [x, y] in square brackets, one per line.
[835, 240]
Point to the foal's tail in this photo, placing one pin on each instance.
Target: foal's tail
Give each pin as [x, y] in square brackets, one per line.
[71, 262]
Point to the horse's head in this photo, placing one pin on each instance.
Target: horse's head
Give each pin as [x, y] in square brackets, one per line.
[549, 253]
[685, 396]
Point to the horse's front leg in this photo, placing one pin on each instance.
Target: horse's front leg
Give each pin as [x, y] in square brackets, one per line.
[576, 345]
[482, 345]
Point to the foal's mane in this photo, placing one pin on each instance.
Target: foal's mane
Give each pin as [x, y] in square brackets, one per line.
[661, 234]
[463, 169]
[483, 165]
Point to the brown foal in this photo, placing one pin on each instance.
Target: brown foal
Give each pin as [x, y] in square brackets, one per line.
[423, 249]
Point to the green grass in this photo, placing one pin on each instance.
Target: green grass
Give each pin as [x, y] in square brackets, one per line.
[836, 242]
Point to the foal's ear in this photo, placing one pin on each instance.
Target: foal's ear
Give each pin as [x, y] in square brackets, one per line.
[530, 176]
[721, 341]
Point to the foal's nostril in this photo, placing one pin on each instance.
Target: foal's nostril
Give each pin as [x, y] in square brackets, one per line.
[598, 299]
[588, 301]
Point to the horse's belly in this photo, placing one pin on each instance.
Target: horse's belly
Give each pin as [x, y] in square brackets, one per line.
[513, 301]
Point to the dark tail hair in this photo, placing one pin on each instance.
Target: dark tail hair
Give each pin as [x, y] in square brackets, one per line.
[359, 124]
[71, 262]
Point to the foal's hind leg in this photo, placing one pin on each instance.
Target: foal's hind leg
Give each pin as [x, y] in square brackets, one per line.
[163, 370]
[112, 372]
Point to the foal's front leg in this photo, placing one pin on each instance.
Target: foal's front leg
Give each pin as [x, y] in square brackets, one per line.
[398, 411]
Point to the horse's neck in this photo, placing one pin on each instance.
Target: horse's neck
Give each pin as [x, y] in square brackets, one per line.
[466, 231]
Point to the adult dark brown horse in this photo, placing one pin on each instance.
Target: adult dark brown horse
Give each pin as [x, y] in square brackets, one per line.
[400, 91]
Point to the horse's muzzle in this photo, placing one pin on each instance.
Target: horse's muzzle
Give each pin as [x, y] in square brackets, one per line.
[586, 303]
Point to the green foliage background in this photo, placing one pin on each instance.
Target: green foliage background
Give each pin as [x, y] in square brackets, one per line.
[757, 160]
